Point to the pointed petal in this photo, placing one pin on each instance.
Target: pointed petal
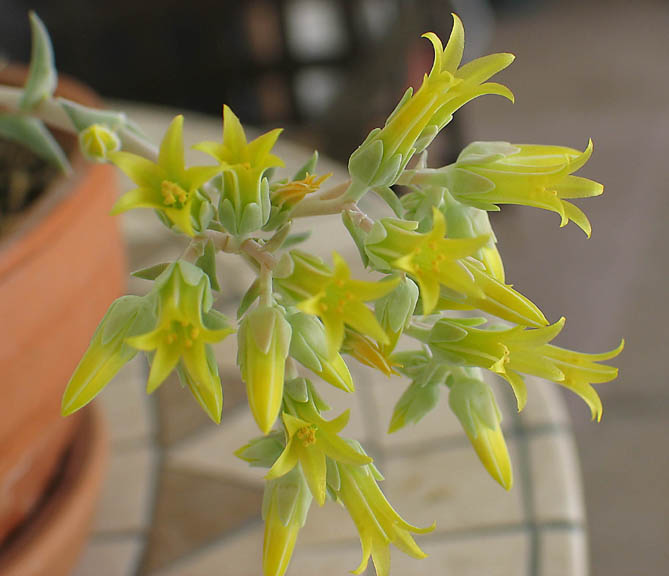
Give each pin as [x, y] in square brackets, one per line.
[429, 292]
[234, 138]
[196, 176]
[341, 451]
[149, 341]
[481, 69]
[518, 386]
[214, 149]
[196, 364]
[578, 187]
[334, 333]
[455, 47]
[312, 460]
[139, 198]
[362, 319]
[171, 156]
[259, 149]
[578, 216]
[164, 361]
[438, 53]
[141, 171]
[284, 463]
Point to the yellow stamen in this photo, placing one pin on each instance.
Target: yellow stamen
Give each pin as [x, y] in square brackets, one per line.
[307, 434]
[194, 333]
[171, 191]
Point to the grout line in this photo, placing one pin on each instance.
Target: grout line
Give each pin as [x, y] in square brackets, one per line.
[116, 535]
[157, 467]
[527, 492]
[446, 443]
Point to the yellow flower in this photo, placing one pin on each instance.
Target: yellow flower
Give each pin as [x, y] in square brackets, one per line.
[97, 142]
[367, 352]
[510, 352]
[445, 271]
[340, 301]
[378, 524]
[310, 440]
[419, 117]
[264, 340]
[292, 192]
[539, 176]
[166, 186]
[245, 203]
[473, 402]
[183, 333]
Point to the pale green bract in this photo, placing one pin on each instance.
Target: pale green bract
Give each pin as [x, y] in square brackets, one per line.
[303, 319]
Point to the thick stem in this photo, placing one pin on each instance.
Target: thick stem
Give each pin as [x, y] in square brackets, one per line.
[52, 113]
[255, 250]
[265, 280]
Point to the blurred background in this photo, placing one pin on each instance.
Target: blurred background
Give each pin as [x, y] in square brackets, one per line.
[585, 69]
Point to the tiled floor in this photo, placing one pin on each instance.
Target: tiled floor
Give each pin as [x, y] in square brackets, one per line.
[177, 502]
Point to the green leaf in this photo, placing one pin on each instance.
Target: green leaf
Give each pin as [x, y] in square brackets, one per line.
[152, 272]
[249, 298]
[358, 235]
[82, 116]
[295, 239]
[42, 77]
[416, 401]
[33, 134]
[390, 198]
[207, 262]
[309, 167]
[262, 451]
[365, 162]
[297, 389]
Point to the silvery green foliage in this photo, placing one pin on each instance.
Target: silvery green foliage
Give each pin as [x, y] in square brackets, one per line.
[40, 84]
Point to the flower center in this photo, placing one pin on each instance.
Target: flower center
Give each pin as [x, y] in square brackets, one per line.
[307, 434]
[183, 333]
[173, 194]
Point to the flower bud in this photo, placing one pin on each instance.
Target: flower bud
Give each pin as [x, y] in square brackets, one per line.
[264, 340]
[308, 346]
[108, 351]
[97, 141]
[394, 311]
[473, 402]
[285, 506]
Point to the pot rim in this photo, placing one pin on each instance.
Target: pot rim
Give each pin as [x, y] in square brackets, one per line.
[69, 503]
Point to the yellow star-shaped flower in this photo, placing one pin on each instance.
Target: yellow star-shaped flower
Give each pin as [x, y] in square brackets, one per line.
[245, 204]
[182, 334]
[167, 186]
[340, 301]
[309, 442]
[434, 260]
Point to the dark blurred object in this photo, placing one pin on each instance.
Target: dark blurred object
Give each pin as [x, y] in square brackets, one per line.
[23, 176]
[334, 67]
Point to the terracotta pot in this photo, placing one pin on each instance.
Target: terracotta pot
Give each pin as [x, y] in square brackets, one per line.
[60, 268]
[51, 541]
